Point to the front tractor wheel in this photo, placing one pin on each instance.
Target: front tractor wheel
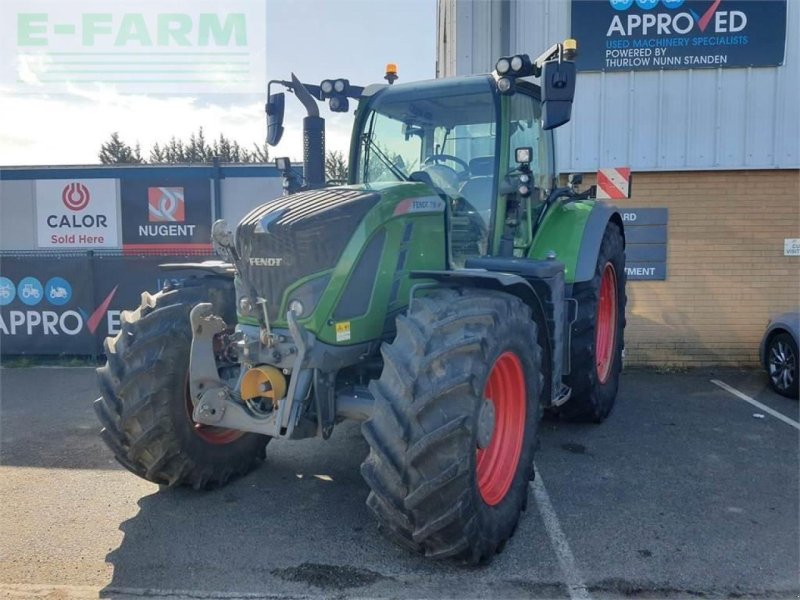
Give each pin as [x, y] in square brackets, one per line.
[453, 430]
[145, 407]
[597, 335]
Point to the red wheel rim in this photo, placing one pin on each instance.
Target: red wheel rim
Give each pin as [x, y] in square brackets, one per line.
[606, 325]
[497, 464]
[208, 433]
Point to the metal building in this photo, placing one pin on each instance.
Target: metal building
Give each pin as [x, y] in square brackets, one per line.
[719, 148]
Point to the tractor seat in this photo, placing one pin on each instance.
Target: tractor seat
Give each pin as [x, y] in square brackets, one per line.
[477, 191]
[480, 166]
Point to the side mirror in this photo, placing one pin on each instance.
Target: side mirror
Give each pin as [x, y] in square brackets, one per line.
[275, 105]
[558, 90]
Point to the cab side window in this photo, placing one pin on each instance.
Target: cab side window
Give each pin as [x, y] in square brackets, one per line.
[526, 130]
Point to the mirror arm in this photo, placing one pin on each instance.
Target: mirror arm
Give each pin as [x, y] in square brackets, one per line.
[305, 97]
[549, 54]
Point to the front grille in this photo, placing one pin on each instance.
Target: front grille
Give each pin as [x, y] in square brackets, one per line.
[294, 236]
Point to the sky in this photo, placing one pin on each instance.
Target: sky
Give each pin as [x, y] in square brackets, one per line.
[316, 39]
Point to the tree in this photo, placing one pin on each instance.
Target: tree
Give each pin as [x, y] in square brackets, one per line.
[260, 153]
[157, 155]
[115, 151]
[197, 149]
[335, 166]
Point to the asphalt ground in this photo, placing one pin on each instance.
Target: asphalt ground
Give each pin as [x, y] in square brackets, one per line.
[684, 492]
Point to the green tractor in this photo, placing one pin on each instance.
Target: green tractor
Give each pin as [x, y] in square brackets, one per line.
[445, 297]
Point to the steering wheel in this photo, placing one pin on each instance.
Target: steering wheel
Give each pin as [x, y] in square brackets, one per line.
[436, 158]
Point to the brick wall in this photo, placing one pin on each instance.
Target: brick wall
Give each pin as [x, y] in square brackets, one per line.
[726, 272]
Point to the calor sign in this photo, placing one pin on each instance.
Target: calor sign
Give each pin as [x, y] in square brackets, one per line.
[76, 213]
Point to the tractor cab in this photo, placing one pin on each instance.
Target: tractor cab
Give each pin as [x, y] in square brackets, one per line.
[483, 144]
[459, 137]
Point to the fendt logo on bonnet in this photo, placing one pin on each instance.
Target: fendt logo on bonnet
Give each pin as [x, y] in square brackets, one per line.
[266, 262]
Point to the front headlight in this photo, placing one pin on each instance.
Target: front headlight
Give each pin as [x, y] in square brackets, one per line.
[296, 307]
[303, 300]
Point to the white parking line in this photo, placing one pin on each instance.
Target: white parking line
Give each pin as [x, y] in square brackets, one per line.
[575, 585]
[85, 592]
[756, 403]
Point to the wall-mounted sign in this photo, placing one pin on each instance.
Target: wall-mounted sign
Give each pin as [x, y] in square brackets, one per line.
[642, 35]
[791, 247]
[645, 243]
[166, 215]
[76, 213]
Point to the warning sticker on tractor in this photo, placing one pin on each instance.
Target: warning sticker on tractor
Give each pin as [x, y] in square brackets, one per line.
[343, 331]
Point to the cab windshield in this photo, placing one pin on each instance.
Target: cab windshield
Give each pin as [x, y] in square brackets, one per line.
[441, 135]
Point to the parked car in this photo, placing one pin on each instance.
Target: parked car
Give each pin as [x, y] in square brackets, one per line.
[779, 353]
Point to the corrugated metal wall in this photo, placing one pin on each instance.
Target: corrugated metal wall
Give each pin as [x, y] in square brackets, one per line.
[701, 119]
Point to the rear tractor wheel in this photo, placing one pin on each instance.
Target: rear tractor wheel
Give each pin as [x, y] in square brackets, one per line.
[145, 407]
[597, 335]
[453, 429]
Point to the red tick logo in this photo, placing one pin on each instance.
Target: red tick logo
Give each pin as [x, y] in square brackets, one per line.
[93, 322]
[702, 22]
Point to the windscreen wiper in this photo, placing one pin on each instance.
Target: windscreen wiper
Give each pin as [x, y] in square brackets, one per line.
[385, 159]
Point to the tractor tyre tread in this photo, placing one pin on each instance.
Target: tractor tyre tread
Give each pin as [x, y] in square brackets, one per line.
[421, 465]
[592, 401]
[142, 409]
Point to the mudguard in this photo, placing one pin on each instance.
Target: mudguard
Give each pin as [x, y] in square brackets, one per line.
[503, 282]
[547, 304]
[574, 231]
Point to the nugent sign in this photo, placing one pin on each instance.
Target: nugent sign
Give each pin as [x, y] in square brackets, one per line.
[166, 214]
[641, 35]
[76, 213]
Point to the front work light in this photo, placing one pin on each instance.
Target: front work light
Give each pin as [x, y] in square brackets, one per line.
[523, 155]
[283, 163]
[521, 65]
[503, 66]
[296, 307]
[326, 86]
[340, 86]
[339, 104]
[505, 85]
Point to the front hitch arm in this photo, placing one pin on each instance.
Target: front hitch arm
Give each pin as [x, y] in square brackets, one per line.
[216, 404]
